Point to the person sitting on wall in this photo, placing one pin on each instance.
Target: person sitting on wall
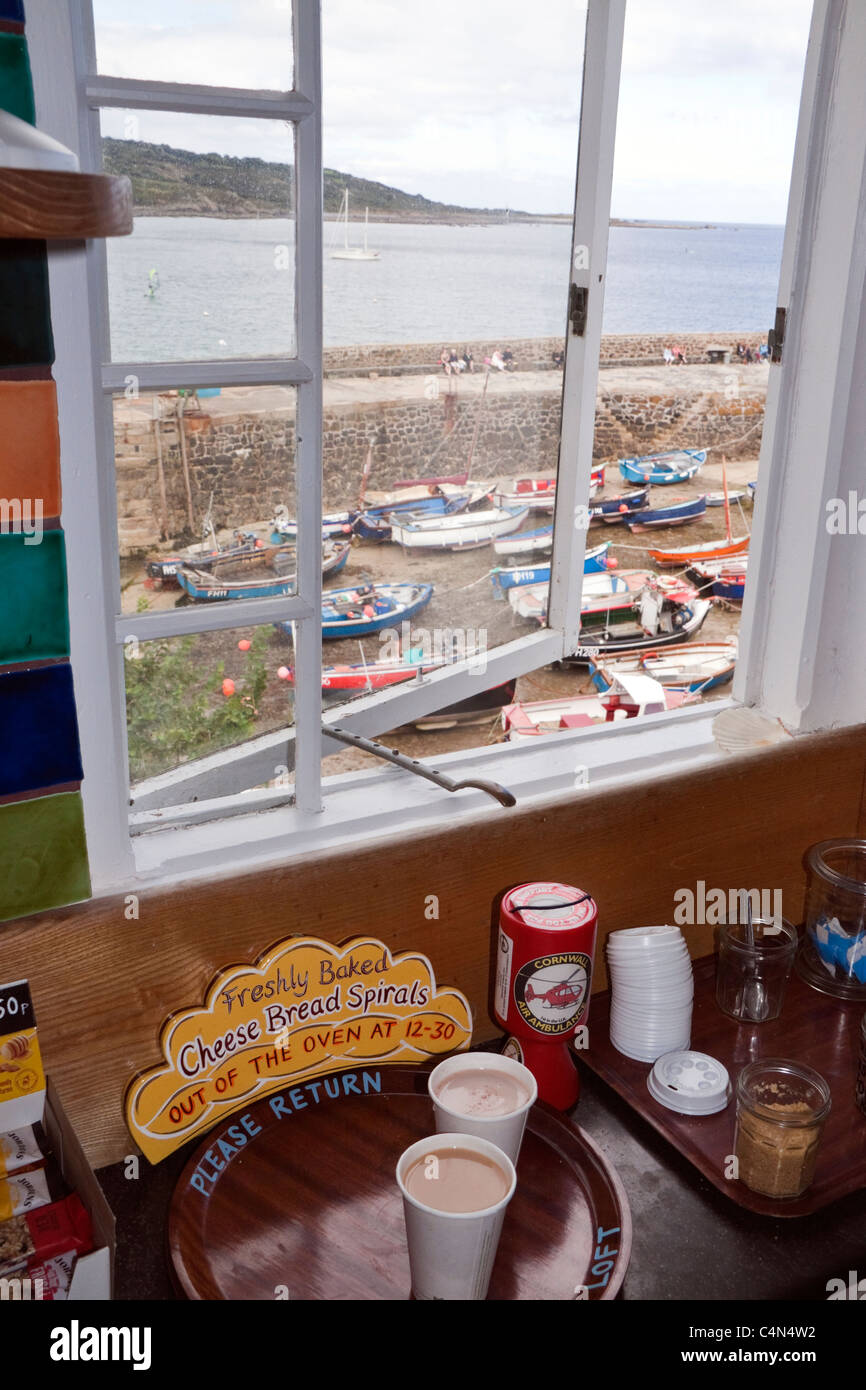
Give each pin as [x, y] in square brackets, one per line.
[445, 361]
[558, 358]
[668, 356]
[496, 361]
[467, 361]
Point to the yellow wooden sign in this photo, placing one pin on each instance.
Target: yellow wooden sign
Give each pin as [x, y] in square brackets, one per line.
[303, 1009]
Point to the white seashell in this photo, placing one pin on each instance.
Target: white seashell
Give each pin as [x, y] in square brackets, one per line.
[743, 729]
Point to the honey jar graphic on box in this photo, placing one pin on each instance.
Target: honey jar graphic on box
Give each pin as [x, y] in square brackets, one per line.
[543, 979]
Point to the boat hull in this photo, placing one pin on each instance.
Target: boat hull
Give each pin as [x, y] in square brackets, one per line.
[677, 515]
[709, 550]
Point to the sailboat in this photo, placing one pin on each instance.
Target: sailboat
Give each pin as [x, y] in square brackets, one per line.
[347, 252]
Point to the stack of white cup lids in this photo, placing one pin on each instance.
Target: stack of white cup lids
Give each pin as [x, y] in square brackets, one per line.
[652, 990]
[690, 1083]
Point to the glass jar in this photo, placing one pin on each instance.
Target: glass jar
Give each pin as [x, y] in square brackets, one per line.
[860, 1087]
[833, 954]
[750, 983]
[781, 1110]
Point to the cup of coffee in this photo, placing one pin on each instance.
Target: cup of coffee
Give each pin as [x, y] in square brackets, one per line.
[486, 1095]
[455, 1189]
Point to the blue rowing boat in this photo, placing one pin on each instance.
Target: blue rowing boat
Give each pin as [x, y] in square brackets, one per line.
[374, 523]
[675, 467]
[613, 509]
[674, 515]
[594, 562]
[369, 608]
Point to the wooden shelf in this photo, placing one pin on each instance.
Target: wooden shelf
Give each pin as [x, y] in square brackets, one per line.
[63, 206]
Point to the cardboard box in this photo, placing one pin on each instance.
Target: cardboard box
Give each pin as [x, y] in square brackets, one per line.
[93, 1277]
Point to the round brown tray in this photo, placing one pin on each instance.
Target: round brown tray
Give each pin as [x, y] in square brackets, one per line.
[309, 1207]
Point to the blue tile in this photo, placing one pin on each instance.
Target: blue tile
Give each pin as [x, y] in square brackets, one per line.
[38, 730]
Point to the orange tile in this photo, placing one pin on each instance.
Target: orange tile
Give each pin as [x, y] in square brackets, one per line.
[30, 443]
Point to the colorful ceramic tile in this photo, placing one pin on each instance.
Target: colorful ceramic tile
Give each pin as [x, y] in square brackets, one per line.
[43, 855]
[38, 730]
[34, 625]
[16, 84]
[29, 446]
[25, 313]
[12, 10]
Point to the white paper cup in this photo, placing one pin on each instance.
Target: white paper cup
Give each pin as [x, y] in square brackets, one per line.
[505, 1131]
[451, 1253]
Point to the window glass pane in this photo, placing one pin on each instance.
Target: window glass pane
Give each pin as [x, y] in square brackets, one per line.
[450, 159]
[708, 108]
[209, 270]
[189, 697]
[223, 43]
[201, 477]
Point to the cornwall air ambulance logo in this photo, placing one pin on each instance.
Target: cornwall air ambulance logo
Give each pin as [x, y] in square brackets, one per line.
[551, 992]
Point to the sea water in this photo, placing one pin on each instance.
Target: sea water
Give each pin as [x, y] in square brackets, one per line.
[226, 287]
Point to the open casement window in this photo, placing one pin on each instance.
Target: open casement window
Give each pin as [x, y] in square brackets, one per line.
[195, 812]
[123, 380]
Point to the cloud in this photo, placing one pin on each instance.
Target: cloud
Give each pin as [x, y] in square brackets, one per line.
[478, 103]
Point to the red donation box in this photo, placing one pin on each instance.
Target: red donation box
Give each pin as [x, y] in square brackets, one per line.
[543, 976]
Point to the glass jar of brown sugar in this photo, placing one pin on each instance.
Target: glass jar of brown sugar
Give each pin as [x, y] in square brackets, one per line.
[860, 1089]
[781, 1109]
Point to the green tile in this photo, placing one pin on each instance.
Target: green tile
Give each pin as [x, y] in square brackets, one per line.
[34, 623]
[16, 84]
[43, 855]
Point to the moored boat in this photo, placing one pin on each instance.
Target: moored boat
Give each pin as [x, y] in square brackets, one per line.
[603, 592]
[651, 622]
[630, 697]
[334, 525]
[612, 510]
[231, 577]
[675, 514]
[594, 562]
[723, 578]
[536, 542]
[464, 531]
[368, 608]
[717, 499]
[692, 666]
[706, 550]
[675, 467]
[375, 524]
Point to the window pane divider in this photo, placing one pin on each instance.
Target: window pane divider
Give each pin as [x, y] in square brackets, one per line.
[139, 94]
[605, 23]
[214, 617]
[166, 376]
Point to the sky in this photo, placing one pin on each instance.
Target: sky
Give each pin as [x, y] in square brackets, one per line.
[478, 103]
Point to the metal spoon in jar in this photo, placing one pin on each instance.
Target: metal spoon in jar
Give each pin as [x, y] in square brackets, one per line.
[752, 1003]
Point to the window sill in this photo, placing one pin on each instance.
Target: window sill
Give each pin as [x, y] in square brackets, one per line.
[388, 806]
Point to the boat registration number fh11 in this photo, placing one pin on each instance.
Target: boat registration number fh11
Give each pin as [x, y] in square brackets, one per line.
[303, 1009]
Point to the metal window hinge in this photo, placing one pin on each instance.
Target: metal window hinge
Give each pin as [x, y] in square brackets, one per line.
[390, 755]
[578, 302]
[776, 336]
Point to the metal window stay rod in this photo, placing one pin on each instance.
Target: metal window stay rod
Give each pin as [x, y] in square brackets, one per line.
[391, 755]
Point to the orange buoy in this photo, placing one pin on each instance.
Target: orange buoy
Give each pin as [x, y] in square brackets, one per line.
[244, 645]
[284, 673]
[228, 687]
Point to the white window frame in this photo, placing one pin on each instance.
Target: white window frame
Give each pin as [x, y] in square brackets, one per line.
[187, 840]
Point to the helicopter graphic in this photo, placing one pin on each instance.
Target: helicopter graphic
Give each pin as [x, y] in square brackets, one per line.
[559, 994]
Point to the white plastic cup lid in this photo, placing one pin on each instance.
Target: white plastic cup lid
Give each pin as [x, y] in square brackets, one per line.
[691, 1083]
